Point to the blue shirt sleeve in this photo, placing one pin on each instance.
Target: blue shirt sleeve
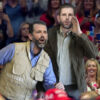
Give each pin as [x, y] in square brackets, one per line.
[6, 54]
[49, 77]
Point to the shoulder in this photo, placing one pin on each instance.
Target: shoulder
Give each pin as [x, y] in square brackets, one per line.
[45, 54]
[53, 30]
[21, 45]
[43, 16]
[9, 47]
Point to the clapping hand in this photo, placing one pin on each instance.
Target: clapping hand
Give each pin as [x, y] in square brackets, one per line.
[60, 86]
[76, 27]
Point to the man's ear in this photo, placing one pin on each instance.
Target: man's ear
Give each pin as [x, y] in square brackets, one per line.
[30, 36]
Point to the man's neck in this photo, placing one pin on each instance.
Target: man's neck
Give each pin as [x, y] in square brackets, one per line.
[36, 50]
[64, 30]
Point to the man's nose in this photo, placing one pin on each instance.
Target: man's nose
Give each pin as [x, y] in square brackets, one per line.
[67, 17]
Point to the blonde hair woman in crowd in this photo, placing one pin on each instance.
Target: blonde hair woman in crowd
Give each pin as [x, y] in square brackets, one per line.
[92, 75]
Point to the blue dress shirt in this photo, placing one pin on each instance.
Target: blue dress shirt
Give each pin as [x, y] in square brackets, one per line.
[7, 53]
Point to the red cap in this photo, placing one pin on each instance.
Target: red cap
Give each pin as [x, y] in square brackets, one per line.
[56, 94]
[98, 98]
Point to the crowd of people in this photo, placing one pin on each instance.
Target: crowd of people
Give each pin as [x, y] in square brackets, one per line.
[49, 49]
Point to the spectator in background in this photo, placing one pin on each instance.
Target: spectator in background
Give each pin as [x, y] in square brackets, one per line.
[97, 30]
[6, 30]
[98, 5]
[34, 11]
[86, 16]
[49, 16]
[77, 5]
[42, 3]
[16, 12]
[4, 2]
[93, 75]
[65, 1]
[23, 32]
[97, 33]
[73, 2]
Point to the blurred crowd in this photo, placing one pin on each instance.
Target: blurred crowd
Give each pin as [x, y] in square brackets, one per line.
[13, 13]
[17, 15]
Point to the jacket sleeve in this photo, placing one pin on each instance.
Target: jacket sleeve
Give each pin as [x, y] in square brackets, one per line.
[89, 49]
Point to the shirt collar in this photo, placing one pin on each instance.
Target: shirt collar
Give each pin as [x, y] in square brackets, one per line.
[31, 49]
[62, 33]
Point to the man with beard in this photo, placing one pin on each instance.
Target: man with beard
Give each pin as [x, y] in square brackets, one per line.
[25, 64]
[67, 47]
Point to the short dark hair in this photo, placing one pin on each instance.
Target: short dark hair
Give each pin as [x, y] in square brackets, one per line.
[66, 5]
[36, 22]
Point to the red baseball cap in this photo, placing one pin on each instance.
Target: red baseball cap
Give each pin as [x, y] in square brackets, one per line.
[56, 94]
[98, 98]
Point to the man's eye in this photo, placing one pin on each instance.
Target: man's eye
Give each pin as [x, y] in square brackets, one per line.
[63, 14]
[38, 32]
[45, 32]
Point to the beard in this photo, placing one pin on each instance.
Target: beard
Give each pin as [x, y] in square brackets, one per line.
[38, 42]
[66, 26]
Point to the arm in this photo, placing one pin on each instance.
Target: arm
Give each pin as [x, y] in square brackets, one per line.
[82, 40]
[23, 5]
[89, 48]
[6, 54]
[9, 27]
[49, 77]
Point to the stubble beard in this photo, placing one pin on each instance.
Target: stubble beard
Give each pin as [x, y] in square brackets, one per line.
[66, 26]
[39, 45]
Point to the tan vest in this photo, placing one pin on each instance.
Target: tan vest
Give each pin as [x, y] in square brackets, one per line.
[18, 78]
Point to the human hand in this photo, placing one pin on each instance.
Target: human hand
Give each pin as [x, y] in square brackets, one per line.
[1, 98]
[98, 91]
[88, 81]
[22, 3]
[76, 27]
[60, 86]
[5, 17]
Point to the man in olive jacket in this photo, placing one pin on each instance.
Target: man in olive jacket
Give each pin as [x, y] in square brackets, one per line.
[68, 46]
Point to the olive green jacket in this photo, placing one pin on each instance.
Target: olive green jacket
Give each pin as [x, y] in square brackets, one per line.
[79, 48]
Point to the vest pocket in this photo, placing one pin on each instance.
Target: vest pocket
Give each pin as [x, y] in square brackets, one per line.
[37, 75]
[18, 69]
